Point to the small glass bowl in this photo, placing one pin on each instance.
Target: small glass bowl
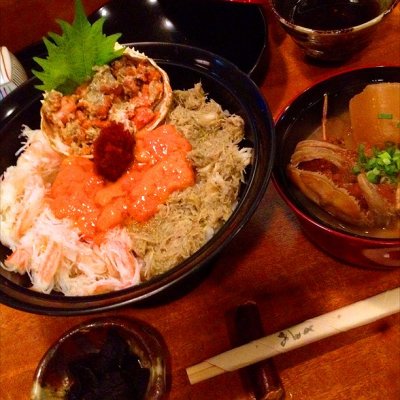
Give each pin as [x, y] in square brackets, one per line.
[332, 45]
[53, 377]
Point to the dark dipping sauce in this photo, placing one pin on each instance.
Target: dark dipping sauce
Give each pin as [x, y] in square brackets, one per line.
[112, 373]
[333, 15]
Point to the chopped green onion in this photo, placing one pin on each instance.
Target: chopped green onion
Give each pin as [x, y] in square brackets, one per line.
[385, 116]
[384, 158]
[382, 166]
[373, 175]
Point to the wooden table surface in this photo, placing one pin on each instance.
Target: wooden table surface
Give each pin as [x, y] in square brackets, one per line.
[270, 262]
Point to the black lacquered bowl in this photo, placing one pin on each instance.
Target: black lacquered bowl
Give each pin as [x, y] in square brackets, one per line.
[237, 32]
[222, 81]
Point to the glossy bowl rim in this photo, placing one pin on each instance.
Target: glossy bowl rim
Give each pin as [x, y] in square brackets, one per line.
[306, 217]
[262, 169]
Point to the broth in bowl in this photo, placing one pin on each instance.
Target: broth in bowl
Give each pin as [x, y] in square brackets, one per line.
[349, 165]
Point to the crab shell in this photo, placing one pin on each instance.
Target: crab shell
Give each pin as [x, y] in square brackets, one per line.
[336, 200]
[52, 130]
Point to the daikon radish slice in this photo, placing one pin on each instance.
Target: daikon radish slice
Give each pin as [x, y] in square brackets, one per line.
[375, 114]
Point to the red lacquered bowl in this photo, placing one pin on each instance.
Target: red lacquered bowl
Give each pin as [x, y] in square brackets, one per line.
[295, 123]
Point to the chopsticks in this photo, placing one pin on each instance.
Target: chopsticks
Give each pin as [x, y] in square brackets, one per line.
[341, 320]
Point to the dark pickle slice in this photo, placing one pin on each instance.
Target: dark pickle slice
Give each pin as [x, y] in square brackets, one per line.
[113, 373]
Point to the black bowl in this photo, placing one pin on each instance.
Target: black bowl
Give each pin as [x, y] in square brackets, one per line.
[226, 84]
[297, 121]
[234, 31]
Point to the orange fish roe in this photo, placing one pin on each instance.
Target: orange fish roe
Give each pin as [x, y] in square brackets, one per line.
[160, 167]
[72, 194]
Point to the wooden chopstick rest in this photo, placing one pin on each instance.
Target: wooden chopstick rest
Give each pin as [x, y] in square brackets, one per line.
[263, 376]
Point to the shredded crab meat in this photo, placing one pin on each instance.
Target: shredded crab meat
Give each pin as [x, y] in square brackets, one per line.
[26, 183]
[191, 217]
[50, 250]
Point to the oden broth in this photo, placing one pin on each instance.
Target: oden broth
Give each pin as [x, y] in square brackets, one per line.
[338, 128]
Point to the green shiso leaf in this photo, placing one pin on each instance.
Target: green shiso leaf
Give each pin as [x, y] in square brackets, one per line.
[72, 55]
